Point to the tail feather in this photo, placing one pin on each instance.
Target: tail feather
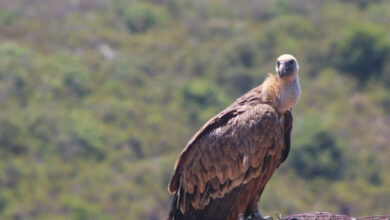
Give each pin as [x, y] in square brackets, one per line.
[217, 209]
[175, 211]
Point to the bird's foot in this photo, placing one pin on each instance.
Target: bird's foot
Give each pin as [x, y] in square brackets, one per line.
[257, 216]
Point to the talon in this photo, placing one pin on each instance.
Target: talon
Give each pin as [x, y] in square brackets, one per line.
[257, 216]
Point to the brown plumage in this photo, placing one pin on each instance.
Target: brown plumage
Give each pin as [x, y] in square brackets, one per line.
[222, 171]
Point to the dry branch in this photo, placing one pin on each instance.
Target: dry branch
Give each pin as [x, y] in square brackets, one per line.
[331, 216]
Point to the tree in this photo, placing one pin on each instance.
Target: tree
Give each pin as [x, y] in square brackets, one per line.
[361, 52]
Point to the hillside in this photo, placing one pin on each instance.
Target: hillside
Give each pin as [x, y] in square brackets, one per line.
[97, 99]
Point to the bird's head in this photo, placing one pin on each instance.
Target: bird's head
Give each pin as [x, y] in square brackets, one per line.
[287, 67]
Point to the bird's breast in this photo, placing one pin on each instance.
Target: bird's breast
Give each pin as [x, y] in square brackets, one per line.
[289, 96]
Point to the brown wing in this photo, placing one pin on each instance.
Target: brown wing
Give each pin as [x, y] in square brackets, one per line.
[288, 124]
[227, 152]
[217, 121]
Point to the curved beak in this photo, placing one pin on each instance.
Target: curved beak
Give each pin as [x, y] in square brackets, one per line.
[282, 69]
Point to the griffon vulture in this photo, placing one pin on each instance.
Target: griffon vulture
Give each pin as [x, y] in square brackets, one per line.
[222, 171]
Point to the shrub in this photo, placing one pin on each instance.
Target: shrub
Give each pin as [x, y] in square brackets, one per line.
[320, 157]
[361, 52]
[139, 17]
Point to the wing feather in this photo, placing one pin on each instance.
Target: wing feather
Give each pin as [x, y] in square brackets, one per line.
[229, 150]
[288, 124]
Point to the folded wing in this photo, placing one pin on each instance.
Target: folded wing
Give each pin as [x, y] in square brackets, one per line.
[229, 150]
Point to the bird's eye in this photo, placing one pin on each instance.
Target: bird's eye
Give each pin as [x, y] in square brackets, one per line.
[277, 63]
[291, 62]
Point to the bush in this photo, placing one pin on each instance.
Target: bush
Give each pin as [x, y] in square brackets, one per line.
[6, 17]
[202, 93]
[361, 52]
[139, 17]
[10, 139]
[242, 54]
[321, 157]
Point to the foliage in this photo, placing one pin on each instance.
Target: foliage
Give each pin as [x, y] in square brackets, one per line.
[99, 97]
[141, 16]
[322, 157]
[362, 52]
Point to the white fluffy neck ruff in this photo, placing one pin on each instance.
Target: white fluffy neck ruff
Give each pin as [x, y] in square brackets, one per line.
[289, 94]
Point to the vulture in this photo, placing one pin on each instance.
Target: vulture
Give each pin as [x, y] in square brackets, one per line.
[222, 171]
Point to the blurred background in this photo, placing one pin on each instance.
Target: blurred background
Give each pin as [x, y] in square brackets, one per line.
[98, 98]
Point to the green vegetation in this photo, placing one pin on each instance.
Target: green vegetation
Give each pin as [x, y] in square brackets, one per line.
[362, 52]
[98, 98]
